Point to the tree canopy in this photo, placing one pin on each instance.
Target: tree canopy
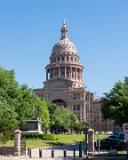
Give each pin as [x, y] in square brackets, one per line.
[115, 103]
[13, 102]
[18, 103]
[61, 118]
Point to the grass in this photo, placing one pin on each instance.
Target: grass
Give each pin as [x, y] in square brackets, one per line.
[62, 139]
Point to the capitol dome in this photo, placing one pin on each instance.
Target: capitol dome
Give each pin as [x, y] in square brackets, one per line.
[64, 45]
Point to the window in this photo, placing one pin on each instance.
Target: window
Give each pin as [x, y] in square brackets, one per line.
[74, 107]
[51, 75]
[76, 96]
[62, 58]
[58, 58]
[62, 74]
[78, 107]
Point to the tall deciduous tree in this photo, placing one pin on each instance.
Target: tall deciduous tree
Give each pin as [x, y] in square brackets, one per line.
[45, 118]
[115, 103]
[41, 110]
[78, 127]
[16, 102]
[60, 118]
[24, 104]
[8, 120]
[9, 88]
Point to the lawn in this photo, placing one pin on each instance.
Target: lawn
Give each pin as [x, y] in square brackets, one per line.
[60, 140]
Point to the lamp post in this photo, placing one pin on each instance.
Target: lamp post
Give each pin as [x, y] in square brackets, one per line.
[85, 133]
[97, 139]
[98, 142]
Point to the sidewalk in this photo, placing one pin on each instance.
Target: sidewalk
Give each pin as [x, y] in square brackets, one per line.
[27, 158]
[59, 155]
[44, 158]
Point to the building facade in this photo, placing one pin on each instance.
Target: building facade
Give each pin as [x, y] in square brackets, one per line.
[96, 120]
[64, 81]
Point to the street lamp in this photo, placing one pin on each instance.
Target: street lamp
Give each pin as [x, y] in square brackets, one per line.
[86, 133]
[97, 138]
[98, 141]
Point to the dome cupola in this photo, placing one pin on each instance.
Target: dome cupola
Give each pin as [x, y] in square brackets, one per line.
[64, 45]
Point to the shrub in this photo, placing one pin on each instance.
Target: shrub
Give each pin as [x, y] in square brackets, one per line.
[41, 136]
[30, 135]
[48, 136]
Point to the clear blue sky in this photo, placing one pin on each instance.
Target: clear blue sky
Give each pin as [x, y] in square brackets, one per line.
[98, 28]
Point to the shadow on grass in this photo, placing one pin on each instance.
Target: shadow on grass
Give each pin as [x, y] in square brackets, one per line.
[55, 144]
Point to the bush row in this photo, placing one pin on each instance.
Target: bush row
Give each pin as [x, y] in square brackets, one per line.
[40, 136]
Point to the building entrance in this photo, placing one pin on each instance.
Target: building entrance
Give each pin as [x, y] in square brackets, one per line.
[59, 102]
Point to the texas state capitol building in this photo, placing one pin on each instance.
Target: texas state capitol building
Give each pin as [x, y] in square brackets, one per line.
[64, 85]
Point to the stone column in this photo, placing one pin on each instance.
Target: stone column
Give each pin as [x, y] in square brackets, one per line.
[76, 73]
[83, 106]
[79, 74]
[91, 142]
[46, 75]
[59, 71]
[17, 143]
[65, 72]
[81, 111]
[53, 73]
[71, 73]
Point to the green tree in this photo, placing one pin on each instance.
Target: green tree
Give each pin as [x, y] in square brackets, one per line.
[72, 119]
[78, 127]
[115, 103]
[9, 90]
[16, 102]
[8, 120]
[24, 104]
[61, 119]
[41, 109]
[45, 115]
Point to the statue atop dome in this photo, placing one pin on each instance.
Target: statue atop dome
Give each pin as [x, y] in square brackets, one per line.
[64, 31]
